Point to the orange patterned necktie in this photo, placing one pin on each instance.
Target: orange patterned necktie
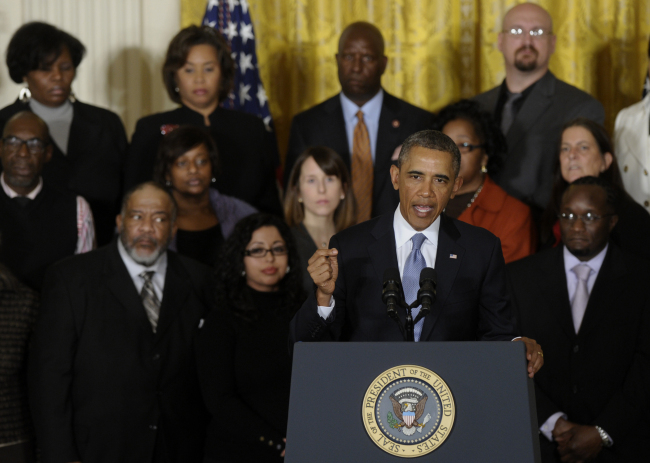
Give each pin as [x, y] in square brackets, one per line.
[362, 169]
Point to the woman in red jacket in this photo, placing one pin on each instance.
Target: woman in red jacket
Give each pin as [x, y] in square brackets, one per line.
[480, 201]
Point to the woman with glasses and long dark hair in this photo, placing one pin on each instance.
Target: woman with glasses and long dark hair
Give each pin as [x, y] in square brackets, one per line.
[243, 356]
[479, 201]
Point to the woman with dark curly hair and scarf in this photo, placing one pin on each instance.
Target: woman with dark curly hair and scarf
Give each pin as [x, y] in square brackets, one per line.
[479, 201]
[243, 356]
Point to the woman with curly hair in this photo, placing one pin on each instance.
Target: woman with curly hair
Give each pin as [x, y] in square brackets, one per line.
[245, 339]
[479, 201]
[198, 74]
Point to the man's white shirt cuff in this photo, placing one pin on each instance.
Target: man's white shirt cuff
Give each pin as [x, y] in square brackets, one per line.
[325, 311]
[549, 425]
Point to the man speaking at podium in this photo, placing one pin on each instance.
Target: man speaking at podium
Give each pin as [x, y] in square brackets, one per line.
[471, 302]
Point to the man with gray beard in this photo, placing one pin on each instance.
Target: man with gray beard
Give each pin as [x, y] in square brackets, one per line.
[531, 105]
[112, 374]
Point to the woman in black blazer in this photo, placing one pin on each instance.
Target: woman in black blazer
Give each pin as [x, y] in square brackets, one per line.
[89, 142]
[198, 74]
[243, 357]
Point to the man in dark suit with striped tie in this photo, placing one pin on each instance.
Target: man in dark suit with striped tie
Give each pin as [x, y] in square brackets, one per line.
[112, 372]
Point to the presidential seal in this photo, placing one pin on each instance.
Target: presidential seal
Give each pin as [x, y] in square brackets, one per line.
[408, 411]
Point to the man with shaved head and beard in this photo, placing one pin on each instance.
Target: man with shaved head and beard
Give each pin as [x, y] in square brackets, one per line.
[587, 302]
[39, 223]
[112, 375]
[531, 104]
[363, 124]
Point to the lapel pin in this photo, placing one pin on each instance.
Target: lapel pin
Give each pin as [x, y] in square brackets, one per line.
[453, 256]
[395, 123]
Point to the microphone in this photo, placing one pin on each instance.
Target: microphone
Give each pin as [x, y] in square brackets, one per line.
[427, 292]
[392, 295]
[391, 292]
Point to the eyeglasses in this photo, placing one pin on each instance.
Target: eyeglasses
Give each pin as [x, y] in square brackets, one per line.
[14, 144]
[279, 250]
[534, 33]
[468, 148]
[586, 218]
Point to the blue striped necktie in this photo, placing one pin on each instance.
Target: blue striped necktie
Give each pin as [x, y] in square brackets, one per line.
[411, 279]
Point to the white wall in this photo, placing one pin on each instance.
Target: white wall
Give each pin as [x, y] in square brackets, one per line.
[125, 42]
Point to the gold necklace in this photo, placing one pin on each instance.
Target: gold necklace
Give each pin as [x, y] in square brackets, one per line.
[469, 204]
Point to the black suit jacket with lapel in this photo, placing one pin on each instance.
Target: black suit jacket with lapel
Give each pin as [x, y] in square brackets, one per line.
[103, 386]
[247, 153]
[93, 165]
[600, 375]
[324, 125]
[533, 138]
[471, 299]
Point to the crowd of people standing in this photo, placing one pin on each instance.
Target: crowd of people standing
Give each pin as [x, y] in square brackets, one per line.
[146, 286]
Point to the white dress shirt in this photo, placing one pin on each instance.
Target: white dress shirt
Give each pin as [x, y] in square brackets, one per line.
[403, 245]
[135, 269]
[371, 111]
[571, 261]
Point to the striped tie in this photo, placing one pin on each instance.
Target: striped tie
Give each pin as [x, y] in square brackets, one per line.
[149, 299]
[362, 169]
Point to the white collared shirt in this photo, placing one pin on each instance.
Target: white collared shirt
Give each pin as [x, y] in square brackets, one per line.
[135, 269]
[571, 261]
[403, 246]
[371, 112]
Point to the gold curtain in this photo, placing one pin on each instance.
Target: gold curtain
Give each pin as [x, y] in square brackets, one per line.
[440, 50]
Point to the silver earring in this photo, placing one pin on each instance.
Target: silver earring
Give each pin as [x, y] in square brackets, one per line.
[168, 184]
[25, 95]
[176, 89]
[288, 268]
[484, 169]
[243, 273]
[214, 180]
[299, 200]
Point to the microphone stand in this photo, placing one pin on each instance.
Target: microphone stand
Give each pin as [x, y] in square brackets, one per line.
[410, 325]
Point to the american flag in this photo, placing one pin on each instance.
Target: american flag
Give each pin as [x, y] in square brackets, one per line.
[233, 20]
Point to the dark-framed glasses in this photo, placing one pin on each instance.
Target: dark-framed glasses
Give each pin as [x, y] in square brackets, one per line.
[535, 33]
[14, 144]
[468, 147]
[278, 250]
[587, 218]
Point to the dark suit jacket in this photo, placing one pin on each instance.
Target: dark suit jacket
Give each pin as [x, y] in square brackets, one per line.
[323, 125]
[92, 168]
[533, 138]
[596, 376]
[246, 154]
[471, 299]
[103, 386]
